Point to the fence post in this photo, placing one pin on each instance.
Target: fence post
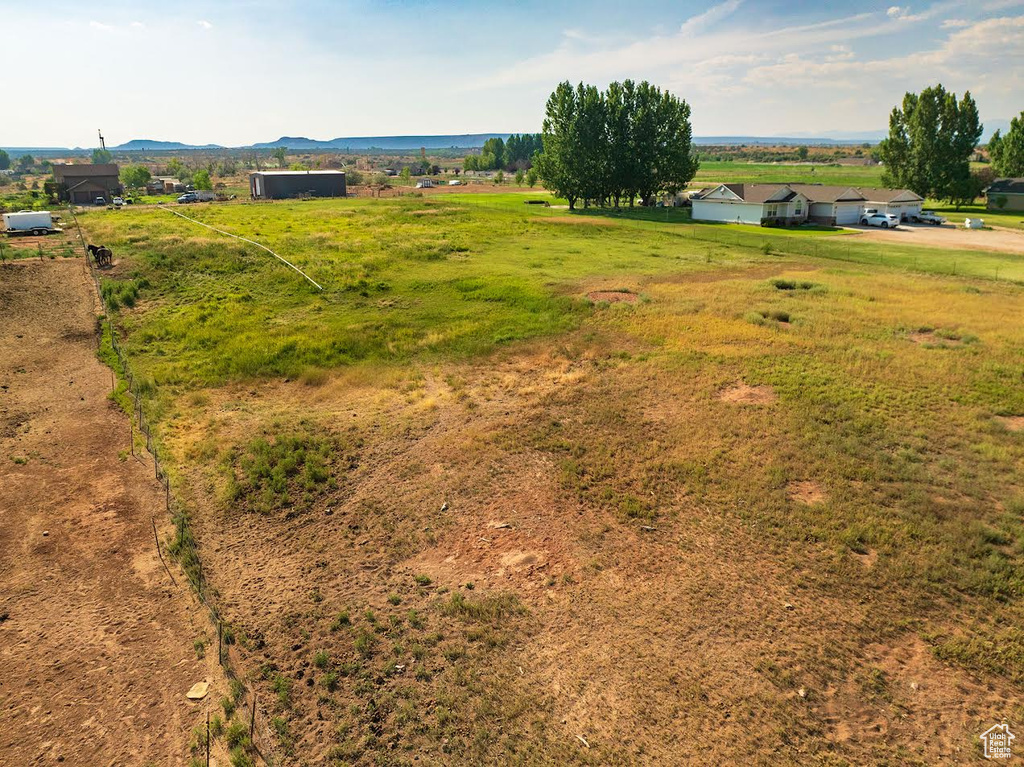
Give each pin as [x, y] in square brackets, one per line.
[220, 642]
[252, 718]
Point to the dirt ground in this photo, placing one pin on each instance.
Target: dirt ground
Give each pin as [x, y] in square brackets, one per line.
[96, 644]
[947, 236]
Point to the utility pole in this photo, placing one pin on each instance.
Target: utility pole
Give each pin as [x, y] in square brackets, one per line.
[103, 144]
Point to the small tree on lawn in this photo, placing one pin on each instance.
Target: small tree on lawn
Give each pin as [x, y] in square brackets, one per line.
[281, 155]
[499, 177]
[519, 177]
[531, 178]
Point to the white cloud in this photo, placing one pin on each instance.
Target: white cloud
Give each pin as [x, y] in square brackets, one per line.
[702, 21]
[100, 26]
[955, 23]
[204, 24]
[137, 25]
[896, 12]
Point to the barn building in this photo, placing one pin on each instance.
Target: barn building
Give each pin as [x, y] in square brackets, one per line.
[288, 184]
[82, 184]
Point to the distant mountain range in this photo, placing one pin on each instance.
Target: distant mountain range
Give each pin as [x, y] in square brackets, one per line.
[474, 141]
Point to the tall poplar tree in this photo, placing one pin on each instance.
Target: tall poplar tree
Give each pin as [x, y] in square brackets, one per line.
[931, 139]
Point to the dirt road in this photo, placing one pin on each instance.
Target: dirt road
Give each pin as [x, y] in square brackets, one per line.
[96, 644]
[947, 236]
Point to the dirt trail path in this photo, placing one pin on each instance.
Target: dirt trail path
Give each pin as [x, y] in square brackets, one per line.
[95, 642]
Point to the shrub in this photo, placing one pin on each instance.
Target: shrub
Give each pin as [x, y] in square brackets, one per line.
[321, 659]
[342, 619]
[228, 705]
[237, 735]
[422, 580]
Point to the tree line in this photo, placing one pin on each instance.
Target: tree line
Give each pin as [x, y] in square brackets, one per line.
[607, 147]
[498, 154]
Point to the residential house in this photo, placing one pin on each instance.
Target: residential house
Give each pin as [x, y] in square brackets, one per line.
[792, 204]
[1005, 194]
[81, 184]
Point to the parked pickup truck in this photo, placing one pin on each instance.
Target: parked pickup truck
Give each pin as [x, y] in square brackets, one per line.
[927, 217]
[884, 220]
[198, 195]
[29, 222]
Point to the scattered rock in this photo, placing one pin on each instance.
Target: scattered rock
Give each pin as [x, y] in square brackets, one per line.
[789, 606]
[46, 533]
[499, 525]
[444, 506]
[198, 691]
[802, 692]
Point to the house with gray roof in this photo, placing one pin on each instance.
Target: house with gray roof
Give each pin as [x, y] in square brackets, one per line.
[1005, 194]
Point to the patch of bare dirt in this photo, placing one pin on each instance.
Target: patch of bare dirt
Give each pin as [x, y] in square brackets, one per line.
[930, 338]
[742, 394]
[806, 492]
[613, 296]
[96, 645]
[900, 692]
[1011, 422]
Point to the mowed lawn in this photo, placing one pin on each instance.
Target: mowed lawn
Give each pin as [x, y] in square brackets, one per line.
[769, 507]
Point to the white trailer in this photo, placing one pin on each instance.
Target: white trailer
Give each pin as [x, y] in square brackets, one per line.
[29, 222]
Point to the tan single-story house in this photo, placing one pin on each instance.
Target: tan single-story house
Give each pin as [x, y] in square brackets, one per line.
[1005, 194]
[786, 204]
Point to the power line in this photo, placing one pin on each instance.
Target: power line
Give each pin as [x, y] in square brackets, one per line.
[313, 282]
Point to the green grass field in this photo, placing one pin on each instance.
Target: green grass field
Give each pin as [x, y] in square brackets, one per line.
[785, 483]
[715, 172]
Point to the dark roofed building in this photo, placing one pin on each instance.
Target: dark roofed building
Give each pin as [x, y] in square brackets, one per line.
[288, 184]
[82, 184]
[1005, 194]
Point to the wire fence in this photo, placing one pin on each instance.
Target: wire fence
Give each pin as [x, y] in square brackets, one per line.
[184, 546]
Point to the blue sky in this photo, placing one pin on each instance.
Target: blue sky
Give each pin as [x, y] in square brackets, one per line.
[237, 71]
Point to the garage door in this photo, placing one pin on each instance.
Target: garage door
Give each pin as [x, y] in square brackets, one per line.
[848, 213]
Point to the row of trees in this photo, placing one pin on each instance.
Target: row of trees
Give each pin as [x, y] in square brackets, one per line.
[616, 145]
[497, 154]
[932, 137]
[1007, 152]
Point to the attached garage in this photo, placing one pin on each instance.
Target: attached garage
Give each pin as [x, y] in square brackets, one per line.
[725, 211]
[848, 212]
[901, 203]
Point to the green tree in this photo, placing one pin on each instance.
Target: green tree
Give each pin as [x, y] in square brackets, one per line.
[531, 178]
[1007, 152]
[931, 139]
[519, 177]
[25, 162]
[406, 173]
[201, 179]
[494, 148]
[5, 160]
[281, 155]
[353, 176]
[802, 152]
[135, 176]
[499, 177]
[101, 156]
[557, 164]
[470, 163]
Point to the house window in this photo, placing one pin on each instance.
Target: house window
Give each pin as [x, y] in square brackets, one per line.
[772, 211]
[798, 207]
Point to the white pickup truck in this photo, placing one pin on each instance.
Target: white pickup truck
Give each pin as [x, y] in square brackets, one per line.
[37, 222]
[927, 217]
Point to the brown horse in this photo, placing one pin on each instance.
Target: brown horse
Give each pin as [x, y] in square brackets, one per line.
[102, 255]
